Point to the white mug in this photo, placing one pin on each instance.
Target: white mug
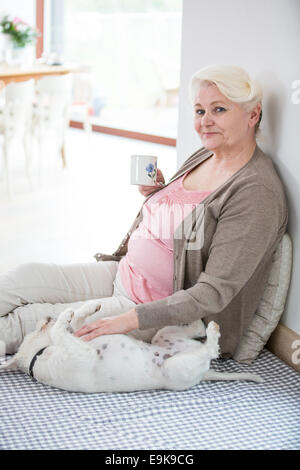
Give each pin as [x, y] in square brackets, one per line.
[143, 170]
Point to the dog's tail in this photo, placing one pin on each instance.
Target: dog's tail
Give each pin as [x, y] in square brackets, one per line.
[213, 375]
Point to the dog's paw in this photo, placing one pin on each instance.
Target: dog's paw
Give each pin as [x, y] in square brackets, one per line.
[66, 316]
[213, 326]
[88, 308]
[213, 331]
[95, 305]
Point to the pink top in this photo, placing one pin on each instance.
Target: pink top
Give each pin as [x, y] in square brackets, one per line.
[147, 269]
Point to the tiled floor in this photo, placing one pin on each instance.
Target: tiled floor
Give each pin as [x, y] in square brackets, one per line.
[77, 211]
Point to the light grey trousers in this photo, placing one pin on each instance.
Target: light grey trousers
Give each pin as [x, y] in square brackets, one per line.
[38, 290]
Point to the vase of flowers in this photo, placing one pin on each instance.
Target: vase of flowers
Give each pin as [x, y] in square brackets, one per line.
[18, 36]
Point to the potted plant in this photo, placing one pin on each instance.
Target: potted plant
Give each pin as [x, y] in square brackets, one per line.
[19, 35]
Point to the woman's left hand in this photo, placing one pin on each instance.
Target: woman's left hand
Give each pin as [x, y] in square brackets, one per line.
[120, 324]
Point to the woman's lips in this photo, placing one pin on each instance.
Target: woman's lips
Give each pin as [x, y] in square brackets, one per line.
[210, 133]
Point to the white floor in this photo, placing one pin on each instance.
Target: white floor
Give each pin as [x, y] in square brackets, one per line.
[75, 212]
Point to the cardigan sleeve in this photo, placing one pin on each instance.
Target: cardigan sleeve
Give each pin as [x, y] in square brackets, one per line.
[249, 225]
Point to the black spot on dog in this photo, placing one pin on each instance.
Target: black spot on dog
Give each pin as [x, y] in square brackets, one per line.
[99, 354]
[202, 339]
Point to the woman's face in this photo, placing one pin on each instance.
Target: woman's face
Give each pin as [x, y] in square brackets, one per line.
[221, 123]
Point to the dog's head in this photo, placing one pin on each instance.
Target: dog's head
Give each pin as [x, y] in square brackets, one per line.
[32, 343]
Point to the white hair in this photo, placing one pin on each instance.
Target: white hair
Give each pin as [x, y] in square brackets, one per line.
[233, 82]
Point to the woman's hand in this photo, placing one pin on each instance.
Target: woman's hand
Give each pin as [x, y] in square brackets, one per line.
[122, 323]
[160, 181]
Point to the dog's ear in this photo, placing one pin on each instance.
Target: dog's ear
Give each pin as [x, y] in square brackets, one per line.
[11, 364]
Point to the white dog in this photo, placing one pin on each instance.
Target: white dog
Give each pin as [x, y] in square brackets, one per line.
[118, 363]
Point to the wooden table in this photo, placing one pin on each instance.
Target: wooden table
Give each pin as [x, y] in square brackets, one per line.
[14, 73]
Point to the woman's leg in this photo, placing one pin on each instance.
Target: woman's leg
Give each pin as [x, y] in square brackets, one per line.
[15, 325]
[37, 290]
[41, 283]
[34, 291]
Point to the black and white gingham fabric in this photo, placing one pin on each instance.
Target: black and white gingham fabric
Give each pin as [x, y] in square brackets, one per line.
[211, 415]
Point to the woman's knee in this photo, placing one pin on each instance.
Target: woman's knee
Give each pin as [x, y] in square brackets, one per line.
[23, 270]
[13, 285]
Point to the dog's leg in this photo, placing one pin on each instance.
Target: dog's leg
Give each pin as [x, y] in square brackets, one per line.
[61, 328]
[214, 375]
[195, 329]
[186, 369]
[88, 308]
[70, 361]
[62, 337]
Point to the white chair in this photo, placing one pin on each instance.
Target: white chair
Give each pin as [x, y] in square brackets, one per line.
[15, 123]
[51, 113]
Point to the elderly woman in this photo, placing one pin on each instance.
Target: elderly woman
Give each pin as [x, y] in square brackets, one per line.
[201, 246]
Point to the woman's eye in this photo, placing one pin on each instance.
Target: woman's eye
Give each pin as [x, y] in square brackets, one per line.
[219, 109]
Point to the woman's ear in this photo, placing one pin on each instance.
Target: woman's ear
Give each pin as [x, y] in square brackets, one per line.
[255, 115]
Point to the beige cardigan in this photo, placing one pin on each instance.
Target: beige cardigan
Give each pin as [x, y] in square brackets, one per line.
[220, 274]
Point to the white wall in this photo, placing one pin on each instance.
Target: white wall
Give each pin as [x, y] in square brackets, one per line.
[24, 9]
[263, 36]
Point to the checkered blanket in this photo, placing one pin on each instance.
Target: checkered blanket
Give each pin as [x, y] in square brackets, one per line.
[211, 415]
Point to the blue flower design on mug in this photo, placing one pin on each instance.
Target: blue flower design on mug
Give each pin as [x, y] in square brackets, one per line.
[151, 170]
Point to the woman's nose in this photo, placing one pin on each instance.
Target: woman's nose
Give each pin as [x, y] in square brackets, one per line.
[206, 119]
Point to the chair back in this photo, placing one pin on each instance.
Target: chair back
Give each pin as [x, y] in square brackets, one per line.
[17, 112]
[53, 99]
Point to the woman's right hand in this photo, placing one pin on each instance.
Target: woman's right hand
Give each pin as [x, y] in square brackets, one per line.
[160, 181]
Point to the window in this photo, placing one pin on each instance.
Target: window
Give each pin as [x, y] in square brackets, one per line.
[133, 50]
